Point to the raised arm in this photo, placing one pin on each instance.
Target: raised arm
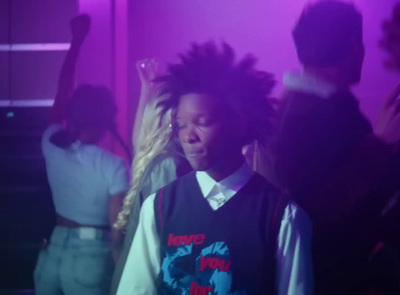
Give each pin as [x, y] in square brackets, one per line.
[80, 26]
[147, 70]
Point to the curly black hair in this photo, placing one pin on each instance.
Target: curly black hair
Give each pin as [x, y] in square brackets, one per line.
[205, 69]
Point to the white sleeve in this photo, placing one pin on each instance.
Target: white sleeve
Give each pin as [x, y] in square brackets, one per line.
[294, 263]
[47, 146]
[119, 182]
[142, 266]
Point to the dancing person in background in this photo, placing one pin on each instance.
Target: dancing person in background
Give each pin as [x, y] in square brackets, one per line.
[87, 183]
[329, 158]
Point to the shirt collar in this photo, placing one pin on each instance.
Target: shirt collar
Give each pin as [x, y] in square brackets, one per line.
[229, 185]
[308, 83]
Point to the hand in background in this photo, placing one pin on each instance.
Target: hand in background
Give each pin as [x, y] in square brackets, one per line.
[388, 127]
[147, 70]
[391, 40]
[80, 26]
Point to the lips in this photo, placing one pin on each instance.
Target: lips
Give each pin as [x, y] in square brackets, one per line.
[194, 152]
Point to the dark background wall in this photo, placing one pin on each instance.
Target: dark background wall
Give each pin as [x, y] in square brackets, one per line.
[28, 79]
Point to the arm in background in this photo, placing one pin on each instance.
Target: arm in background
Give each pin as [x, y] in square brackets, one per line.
[80, 27]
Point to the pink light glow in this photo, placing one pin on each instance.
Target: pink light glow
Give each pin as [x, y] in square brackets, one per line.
[46, 102]
[35, 47]
[161, 29]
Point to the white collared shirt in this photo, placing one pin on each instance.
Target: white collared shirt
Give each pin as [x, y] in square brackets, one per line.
[218, 193]
[294, 266]
[308, 83]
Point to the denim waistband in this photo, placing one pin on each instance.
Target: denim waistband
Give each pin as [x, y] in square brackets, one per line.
[61, 233]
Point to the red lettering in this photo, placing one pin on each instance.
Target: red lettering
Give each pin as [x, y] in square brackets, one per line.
[171, 240]
[214, 263]
[192, 288]
[227, 266]
[199, 239]
[199, 290]
[220, 263]
[203, 263]
[186, 239]
[178, 240]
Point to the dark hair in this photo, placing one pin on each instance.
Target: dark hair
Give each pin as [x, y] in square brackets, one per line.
[244, 91]
[89, 107]
[325, 31]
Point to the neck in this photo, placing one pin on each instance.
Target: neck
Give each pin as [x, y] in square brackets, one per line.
[329, 74]
[226, 168]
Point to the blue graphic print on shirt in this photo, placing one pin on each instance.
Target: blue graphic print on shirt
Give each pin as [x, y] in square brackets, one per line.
[210, 273]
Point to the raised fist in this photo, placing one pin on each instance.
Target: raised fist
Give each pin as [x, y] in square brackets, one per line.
[80, 26]
[388, 125]
[147, 70]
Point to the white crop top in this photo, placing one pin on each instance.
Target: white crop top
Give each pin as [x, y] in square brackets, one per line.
[82, 179]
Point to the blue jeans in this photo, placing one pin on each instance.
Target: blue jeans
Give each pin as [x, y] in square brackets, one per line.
[77, 261]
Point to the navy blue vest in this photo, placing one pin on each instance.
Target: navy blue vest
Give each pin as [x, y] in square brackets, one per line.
[227, 251]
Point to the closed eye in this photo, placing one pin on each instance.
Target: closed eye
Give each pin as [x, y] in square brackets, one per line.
[204, 121]
[179, 125]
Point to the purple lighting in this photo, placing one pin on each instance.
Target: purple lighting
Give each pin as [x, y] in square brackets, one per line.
[35, 47]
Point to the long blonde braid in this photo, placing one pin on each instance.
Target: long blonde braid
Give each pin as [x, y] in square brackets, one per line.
[153, 139]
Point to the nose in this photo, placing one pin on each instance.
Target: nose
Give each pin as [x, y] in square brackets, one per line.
[189, 135]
